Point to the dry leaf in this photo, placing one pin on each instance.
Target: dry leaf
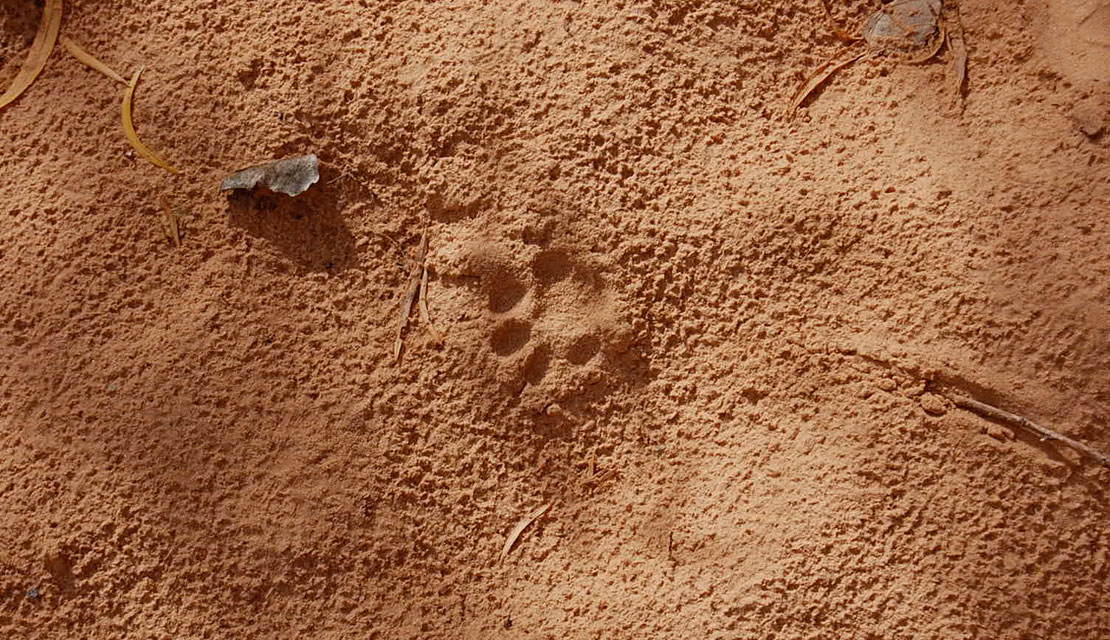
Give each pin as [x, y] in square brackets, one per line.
[88, 60]
[40, 51]
[129, 127]
[291, 176]
[519, 528]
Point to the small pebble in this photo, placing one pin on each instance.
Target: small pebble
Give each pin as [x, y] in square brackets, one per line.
[999, 432]
[933, 405]
[1090, 117]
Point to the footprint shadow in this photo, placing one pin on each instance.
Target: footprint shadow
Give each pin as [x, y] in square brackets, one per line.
[510, 337]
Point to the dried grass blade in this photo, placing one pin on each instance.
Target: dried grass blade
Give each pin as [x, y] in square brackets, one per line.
[129, 127]
[410, 296]
[40, 51]
[170, 224]
[519, 528]
[821, 75]
[406, 310]
[959, 62]
[424, 314]
[87, 59]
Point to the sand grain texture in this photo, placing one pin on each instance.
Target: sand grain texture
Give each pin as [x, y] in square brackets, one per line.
[634, 258]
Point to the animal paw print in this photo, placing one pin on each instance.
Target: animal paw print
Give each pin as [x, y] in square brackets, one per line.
[551, 321]
[556, 327]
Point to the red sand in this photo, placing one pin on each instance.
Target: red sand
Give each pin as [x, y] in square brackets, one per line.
[638, 263]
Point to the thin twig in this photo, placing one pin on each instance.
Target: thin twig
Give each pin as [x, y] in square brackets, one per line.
[413, 288]
[1045, 433]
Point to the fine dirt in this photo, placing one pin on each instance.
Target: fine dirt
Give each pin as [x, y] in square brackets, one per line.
[713, 338]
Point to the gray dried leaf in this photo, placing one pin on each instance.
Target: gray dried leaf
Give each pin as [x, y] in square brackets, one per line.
[290, 176]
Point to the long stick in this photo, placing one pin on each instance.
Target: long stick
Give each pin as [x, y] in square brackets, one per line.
[1044, 432]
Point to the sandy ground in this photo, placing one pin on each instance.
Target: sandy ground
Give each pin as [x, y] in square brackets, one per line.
[714, 339]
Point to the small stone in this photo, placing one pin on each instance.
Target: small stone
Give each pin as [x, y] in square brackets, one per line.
[1090, 117]
[33, 594]
[888, 385]
[933, 405]
[998, 432]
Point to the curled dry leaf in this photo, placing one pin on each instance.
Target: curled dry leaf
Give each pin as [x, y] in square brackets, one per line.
[87, 59]
[40, 51]
[520, 527]
[129, 127]
[291, 176]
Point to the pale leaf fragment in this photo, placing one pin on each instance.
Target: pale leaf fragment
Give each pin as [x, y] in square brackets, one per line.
[845, 58]
[519, 528]
[291, 176]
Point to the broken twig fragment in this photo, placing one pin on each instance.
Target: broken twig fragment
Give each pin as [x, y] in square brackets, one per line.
[1045, 433]
[129, 126]
[291, 176]
[87, 59]
[40, 51]
[519, 528]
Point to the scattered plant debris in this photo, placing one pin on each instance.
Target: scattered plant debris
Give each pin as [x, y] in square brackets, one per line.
[914, 31]
[1045, 433]
[87, 59]
[41, 48]
[129, 127]
[172, 221]
[520, 527]
[291, 176]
